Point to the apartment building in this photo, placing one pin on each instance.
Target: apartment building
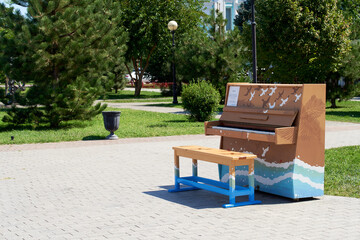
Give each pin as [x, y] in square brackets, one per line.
[226, 7]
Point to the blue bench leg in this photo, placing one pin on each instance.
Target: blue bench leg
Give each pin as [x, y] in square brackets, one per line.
[176, 171]
[232, 189]
[177, 176]
[194, 168]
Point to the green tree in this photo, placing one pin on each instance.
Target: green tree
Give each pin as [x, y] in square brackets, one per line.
[300, 41]
[345, 83]
[212, 54]
[76, 45]
[146, 22]
[244, 14]
[351, 11]
[13, 52]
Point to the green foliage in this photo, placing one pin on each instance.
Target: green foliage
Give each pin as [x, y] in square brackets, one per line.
[302, 40]
[344, 84]
[146, 21]
[74, 49]
[201, 99]
[17, 116]
[213, 55]
[351, 11]
[14, 53]
[342, 171]
[2, 77]
[119, 79]
[244, 14]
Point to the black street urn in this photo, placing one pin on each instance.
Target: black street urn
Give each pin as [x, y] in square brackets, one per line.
[111, 123]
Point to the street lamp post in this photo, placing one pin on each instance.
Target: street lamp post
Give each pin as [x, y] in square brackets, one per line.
[253, 30]
[172, 26]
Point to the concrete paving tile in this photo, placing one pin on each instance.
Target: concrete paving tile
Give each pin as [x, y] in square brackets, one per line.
[110, 190]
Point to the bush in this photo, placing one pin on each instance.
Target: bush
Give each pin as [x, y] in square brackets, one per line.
[201, 99]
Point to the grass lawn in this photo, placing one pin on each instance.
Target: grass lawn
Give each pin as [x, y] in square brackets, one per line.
[348, 111]
[342, 171]
[133, 123]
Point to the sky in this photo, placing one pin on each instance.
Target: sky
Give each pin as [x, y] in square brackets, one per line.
[22, 9]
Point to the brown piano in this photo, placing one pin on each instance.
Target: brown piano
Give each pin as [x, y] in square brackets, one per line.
[284, 125]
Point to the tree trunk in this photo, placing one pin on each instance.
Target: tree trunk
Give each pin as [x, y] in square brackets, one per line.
[6, 85]
[138, 85]
[333, 103]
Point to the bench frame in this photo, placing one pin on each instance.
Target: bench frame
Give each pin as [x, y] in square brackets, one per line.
[219, 156]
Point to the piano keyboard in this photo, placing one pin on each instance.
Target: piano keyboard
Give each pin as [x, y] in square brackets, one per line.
[244, 130]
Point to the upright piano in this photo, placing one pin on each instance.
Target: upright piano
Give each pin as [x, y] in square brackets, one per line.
[284, 125]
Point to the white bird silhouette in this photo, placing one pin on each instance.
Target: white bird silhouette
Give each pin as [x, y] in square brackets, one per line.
[272, 90]
[272, 106]
[252, 95]
[265, 150]
[263, 91]
[283, 101]
[297, 97]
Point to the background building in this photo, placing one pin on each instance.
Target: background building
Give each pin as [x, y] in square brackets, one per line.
[226, 7]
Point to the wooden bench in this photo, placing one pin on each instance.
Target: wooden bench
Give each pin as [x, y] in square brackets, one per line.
[219, 156]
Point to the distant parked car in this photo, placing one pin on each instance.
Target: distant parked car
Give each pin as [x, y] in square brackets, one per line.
[145, 79]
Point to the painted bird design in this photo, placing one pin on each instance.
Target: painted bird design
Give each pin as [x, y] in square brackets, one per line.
[252, 95]
[295, 89]
[297, 97]
[272, 106]
[273, 89]
[248, 91]
[265, 102]
[280, 95]
[263, 91]
[283, 101]
[265, 150]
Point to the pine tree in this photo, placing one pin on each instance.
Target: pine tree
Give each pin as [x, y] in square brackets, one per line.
[77, 44]
[14, 69]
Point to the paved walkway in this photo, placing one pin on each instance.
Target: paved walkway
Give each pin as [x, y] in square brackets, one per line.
[118, 190]
[151, 107]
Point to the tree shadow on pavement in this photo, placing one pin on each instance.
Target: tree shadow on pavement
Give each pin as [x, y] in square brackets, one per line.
[93, 137]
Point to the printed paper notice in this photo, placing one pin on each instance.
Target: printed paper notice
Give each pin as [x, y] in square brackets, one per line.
[233, 96]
